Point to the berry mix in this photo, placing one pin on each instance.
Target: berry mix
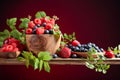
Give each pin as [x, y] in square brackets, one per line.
[41, 26]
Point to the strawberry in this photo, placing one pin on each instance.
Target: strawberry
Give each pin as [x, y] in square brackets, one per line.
[37, 21]
[40, 30]
[48, 26]
[109, 54]
[75, 43]
[15, 50]
[31, 24]
[65, 52]
[29, 31]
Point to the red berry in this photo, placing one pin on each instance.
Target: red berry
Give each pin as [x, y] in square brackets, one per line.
[65, 52]
[109, 54]
[29, 31]
[75, 43]
[40, 30]
[37, 21]
[48, 26]
[15, 49]
[14, 45]
[52, 21]
[44, 20]
[3, 49]
[9, 48]
[31, 24]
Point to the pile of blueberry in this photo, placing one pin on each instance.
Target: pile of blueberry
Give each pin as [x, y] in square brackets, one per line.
[83, 47]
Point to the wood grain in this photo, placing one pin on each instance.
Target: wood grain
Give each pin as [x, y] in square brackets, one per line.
[59, 61]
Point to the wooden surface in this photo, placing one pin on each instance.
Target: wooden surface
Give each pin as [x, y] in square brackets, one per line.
[59, 61]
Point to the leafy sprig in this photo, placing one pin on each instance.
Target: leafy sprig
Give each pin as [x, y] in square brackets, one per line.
[96, 63]
[39, 62]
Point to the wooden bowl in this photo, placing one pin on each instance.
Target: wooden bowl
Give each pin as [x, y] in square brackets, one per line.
[85, 54]
[9, 54]
[44, 42]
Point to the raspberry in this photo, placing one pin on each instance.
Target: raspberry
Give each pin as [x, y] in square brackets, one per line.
[3, 49]
[37, 21]
[75, 43]
[15, 49]
[31, 24]
[9, 48]
[52, 21]
[44, 20]
[48, 26]
[28, 31]
[65, 52]
[40, 30]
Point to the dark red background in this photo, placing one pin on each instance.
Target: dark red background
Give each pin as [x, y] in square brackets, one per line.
[93, 21]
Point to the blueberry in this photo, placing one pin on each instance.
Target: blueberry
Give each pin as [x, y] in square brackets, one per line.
[79, 45]
[46, 32]
[44, 24]
[38, 25]
[55, 56]
[77, 49]
[34, 30]
[50, 31]
[85, 50]
[72, 48]
[82, 49]
[101, 49]
[74, 56]
[117, 55]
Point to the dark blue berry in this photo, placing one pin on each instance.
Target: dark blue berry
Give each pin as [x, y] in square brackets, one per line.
[77, 49]
[55, 56]
[50, 31]
[74, 56]
[46, 32]
[72, 48]
[38, 25]
[117, 55]
[44, 24]
[82, 49]
[34, 30]
[79, 45]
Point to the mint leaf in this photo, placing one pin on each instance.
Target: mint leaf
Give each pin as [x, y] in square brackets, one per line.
[40, 14]
[27, 63]
[20, 59]
[42, 54]
[47, 57]
[24, 23]
[46, 66]
[11, 23]
[40, 65]
[16, 34]
[36, 63]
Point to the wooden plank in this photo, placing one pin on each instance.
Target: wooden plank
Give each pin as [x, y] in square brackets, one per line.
[59, 61]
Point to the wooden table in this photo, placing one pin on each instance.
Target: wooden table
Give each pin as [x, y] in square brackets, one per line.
[60, 61]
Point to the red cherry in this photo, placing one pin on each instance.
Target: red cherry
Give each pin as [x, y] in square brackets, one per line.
[40, 30]
[31, 24]
[29, 31]
[65, 52]
[48, 26]
[37, 21]
[75, 43]
[109, 54]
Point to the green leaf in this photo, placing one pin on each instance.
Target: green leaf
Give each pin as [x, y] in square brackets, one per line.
[47, 57]
[40, 65]
[42, 54]
[21, 59]
[40, 14]
[36, 63]
[24, 23]
[46, 66]
[115, 51]
[11, 23]
[27, 63]
[16, 34]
